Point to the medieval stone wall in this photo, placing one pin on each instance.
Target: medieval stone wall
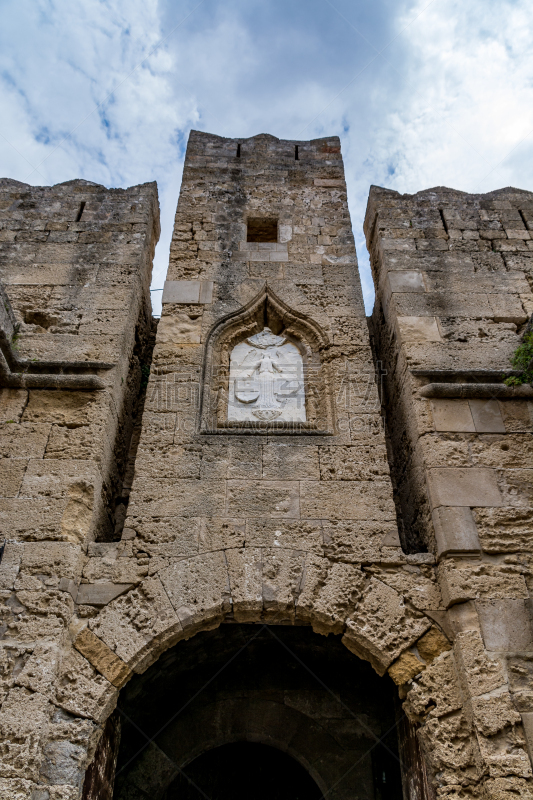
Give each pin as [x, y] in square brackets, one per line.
[75, 267]
[273, 521]
[454, 279]
[282, 513]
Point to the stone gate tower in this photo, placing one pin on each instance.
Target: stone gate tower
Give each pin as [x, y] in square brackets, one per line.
[262, 547]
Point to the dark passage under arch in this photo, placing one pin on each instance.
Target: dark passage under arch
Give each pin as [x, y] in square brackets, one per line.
[242, 771]
[237, 707]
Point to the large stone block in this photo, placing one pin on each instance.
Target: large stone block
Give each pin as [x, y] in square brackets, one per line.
[405, 668]
[492, 714]
[382, 626]
[487, 416]
[354, 463]
[87, 442]
[236, 460]
[329, 593]
[53, 477]
[138, 625]
[285, 533]
[452, 415]
[61, 559]
[64, 407]
[83, 691]
[516, 486]
[506, 625]
[198, 588]
[448, 743]
[180, 498]
[280, 499]
[102, 658]
[63, 765]
[23, 440]
[11, 475]
[517, 415]
[282, 576]
[221, 534]
[41, 668]
[245, 569]
[188, 292]
[418, 585]
[461, 581]
[444, 449]
[180, 328]
[347, 500]
[455, 530]
[436, 691]
[176, 462]
[506, 529]
[479, 673]
[418, 329]
[359, 541]
[24, 720]
[289, 462]
[100, 594]
[512, 451]
[463, 487]
[406, 281]
[12, 404]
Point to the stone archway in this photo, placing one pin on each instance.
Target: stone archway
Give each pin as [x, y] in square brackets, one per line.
[131, 633]
[280, 686]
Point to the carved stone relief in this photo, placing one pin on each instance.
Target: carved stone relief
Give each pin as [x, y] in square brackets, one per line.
[263, 371]
[266, 380]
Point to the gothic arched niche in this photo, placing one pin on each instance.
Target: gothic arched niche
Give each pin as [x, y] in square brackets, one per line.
[264, 371]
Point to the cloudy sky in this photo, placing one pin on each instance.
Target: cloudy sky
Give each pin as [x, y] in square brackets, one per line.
[422, 93]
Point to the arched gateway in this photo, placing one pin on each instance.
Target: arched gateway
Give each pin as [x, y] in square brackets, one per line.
[205, 590]
[262, 505]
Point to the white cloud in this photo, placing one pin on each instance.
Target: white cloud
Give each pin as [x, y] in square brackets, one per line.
[462, 115]
[472, 98]
[445, 103]
[81, 98]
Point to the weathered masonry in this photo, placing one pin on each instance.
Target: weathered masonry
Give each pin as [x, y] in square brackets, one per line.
[285, 553]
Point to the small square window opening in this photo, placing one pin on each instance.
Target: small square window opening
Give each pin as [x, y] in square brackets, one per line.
[260, 229]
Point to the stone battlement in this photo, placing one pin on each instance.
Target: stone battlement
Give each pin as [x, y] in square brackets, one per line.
[346, 501]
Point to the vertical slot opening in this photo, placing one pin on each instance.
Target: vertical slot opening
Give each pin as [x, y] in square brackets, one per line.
[296, 154]
[441, 212]
[238, 151]
[524, 220]
[80, 212]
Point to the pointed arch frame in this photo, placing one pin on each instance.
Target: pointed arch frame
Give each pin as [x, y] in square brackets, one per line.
[266, 308]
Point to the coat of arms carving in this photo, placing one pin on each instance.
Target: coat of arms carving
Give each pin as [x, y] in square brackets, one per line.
[266, 380]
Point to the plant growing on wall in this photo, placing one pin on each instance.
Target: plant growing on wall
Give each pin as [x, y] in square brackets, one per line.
[522, 360]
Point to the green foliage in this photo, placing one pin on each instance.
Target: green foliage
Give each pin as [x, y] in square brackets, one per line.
[523, 360]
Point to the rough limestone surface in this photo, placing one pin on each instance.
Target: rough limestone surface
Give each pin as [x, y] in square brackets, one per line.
[378, 493]
[75, 269]
[454, 293]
